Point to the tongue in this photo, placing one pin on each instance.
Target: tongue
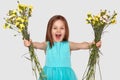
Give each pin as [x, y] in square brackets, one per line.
[58, 36]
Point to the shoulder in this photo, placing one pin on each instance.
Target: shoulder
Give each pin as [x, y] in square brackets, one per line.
[66, 43]
[71, 44]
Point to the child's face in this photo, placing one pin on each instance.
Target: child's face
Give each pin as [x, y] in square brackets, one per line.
[58, 31]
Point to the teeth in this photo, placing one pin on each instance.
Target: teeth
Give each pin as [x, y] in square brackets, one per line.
[58, 35]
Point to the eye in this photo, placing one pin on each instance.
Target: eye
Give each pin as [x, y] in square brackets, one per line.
[62, 28]
[54, 28]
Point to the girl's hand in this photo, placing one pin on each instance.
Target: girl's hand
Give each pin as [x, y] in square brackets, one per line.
[27, 43]
[98, 44]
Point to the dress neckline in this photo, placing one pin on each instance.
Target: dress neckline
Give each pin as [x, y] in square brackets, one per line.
[60, 42]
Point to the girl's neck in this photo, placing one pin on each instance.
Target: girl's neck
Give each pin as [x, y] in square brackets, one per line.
[57, 41]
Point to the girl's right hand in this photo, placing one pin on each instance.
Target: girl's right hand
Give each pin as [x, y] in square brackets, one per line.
[27, 43]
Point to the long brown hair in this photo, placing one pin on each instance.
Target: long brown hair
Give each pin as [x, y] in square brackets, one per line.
[49, 28]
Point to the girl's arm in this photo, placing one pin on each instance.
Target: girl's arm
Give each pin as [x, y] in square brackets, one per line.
[37, 45]
[83, 45]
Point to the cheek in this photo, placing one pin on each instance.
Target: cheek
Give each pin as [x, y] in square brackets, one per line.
[53, 32]
[63, 32]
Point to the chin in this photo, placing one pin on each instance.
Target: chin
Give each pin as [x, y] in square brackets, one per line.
[58, 40]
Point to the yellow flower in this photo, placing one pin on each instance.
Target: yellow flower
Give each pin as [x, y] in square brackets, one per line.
[17, 23]
[31, 7]
[96, 18]
[22, 7]
[13, 15]
[25, 19]
[89, 14]
[20, 19]
[7, 20]
[87, 22]
[89, 18]
[99, 15]
[19, 30]
[20, 10]
[22, 26]
[93, 22]
[113, 21]
[103, 12]
[12, 12]
[5, 26]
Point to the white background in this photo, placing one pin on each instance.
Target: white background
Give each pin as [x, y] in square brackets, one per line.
[13, 66]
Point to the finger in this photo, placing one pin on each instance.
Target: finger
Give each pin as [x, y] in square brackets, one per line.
[98, 45]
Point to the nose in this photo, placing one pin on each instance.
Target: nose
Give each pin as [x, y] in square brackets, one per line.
[58, 30]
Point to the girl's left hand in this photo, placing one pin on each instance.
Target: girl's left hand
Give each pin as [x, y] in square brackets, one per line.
[98, 44]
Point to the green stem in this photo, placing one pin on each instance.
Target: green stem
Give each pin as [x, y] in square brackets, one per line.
[34, 60]
[93, 60]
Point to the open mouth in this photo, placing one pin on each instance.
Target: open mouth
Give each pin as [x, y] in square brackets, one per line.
[58, 36]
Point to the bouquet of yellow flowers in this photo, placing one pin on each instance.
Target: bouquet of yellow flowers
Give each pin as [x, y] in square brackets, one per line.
[17, 20]
[99, 23]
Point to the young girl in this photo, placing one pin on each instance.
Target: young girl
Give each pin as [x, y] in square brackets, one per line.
[58, 49]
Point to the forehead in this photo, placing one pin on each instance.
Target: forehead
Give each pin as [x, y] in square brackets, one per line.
[59, 22]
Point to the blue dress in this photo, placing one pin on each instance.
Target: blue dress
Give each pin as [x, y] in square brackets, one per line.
[58, 62]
